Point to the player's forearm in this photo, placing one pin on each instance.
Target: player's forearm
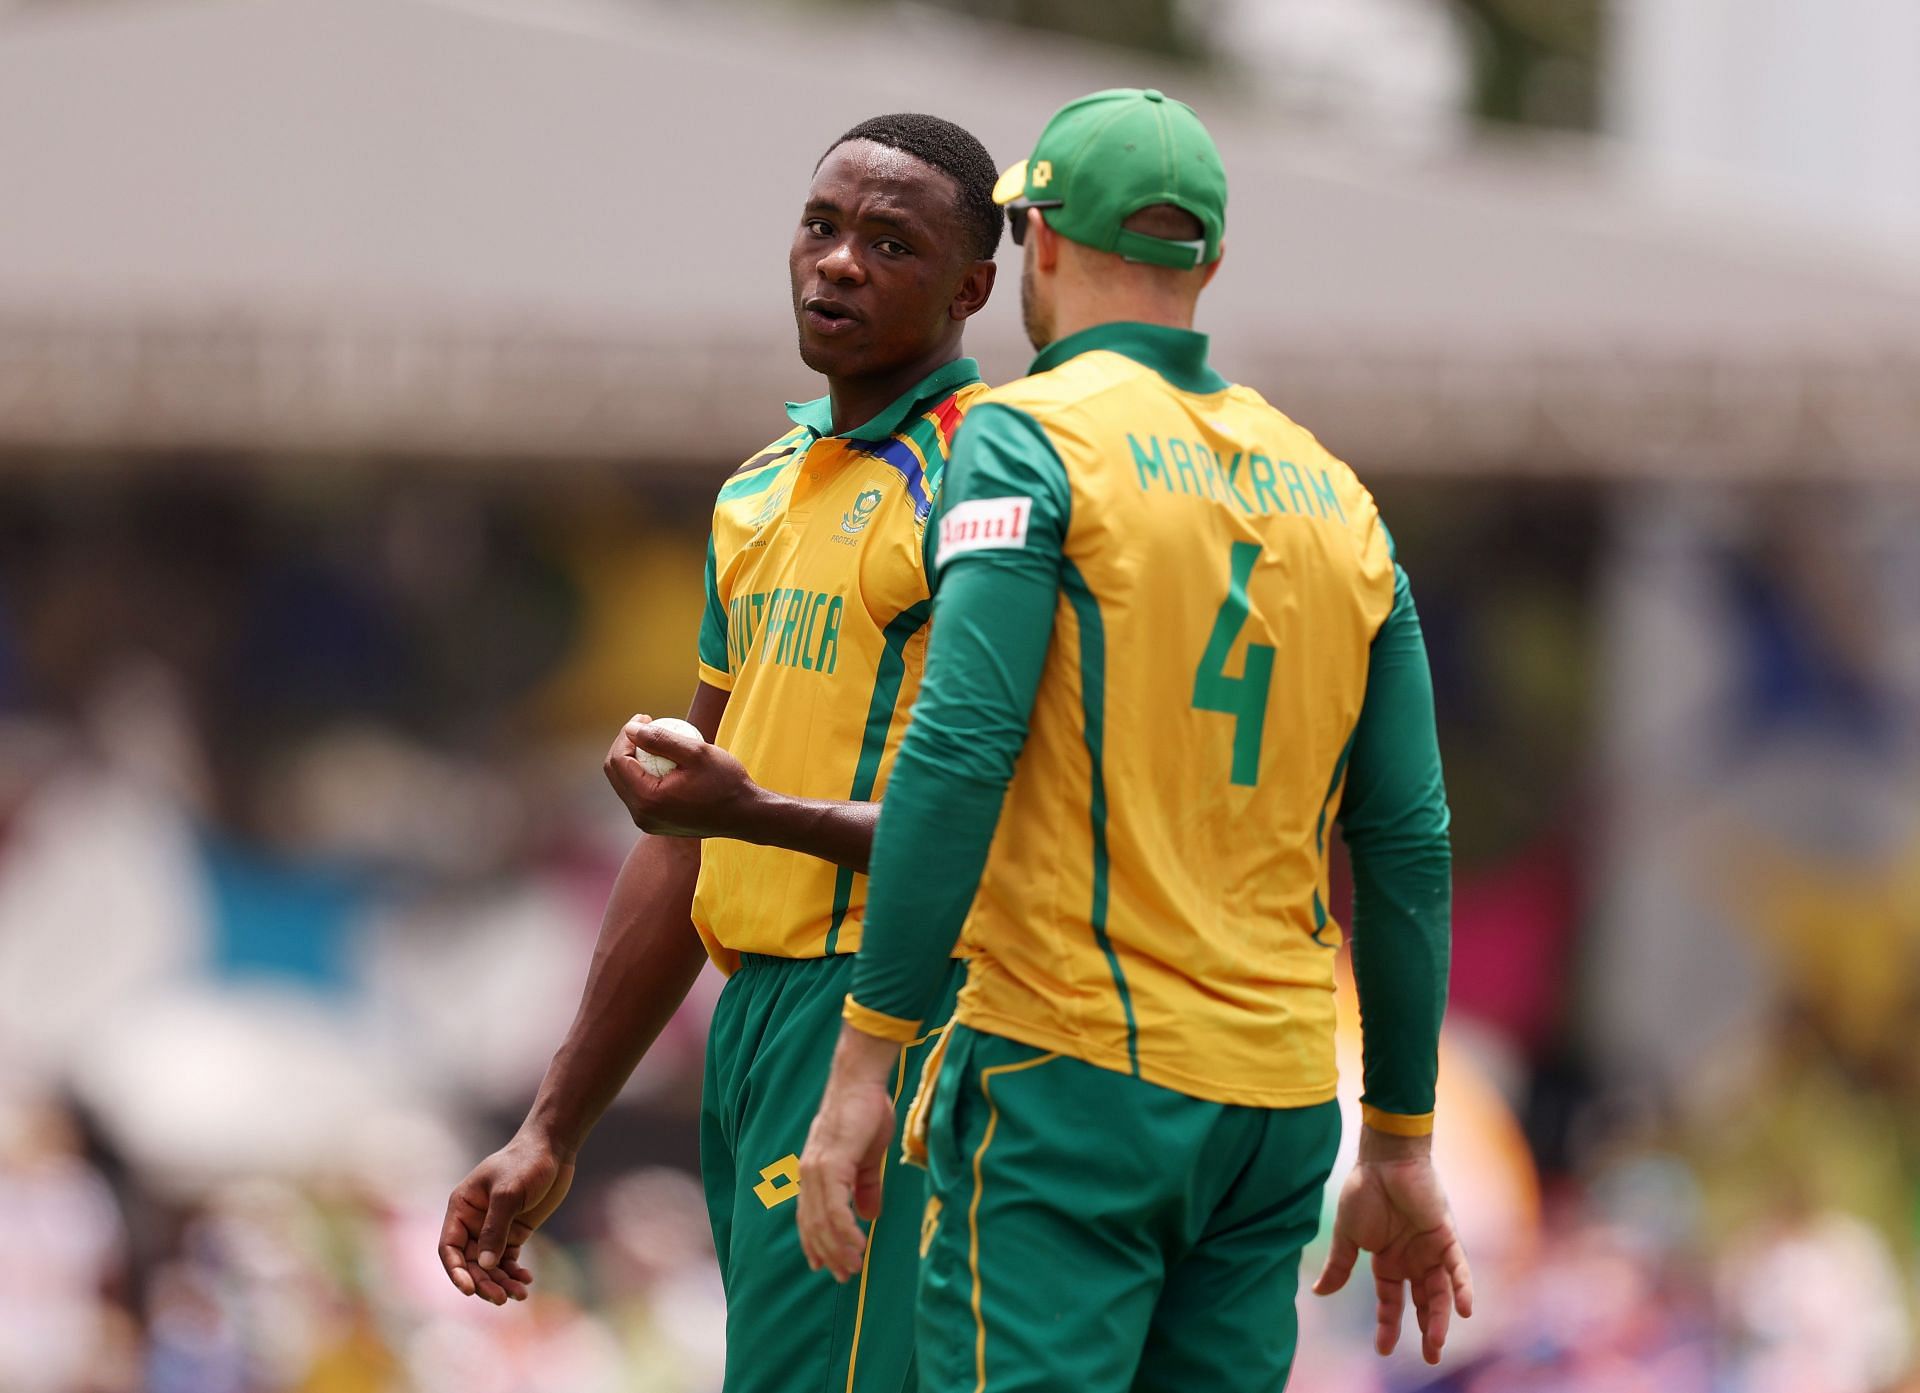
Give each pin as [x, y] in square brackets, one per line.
[644, 963]
[840, 832]
[1395, 823]
[1400, 960]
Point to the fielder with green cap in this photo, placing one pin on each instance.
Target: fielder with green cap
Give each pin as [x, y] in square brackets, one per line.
[1171, 647]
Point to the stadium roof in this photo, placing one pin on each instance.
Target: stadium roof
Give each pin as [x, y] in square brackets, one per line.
[406, 227]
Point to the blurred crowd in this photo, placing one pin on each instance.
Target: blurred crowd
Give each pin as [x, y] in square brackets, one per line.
[264, 1284]
[303, 846]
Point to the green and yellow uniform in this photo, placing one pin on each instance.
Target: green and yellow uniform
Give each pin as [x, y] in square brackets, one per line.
[1171, 815]
[1173, 651]
[816, 619]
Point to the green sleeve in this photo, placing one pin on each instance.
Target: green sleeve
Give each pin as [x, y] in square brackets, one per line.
[713, 620]
[1394, 818]
[992, 621]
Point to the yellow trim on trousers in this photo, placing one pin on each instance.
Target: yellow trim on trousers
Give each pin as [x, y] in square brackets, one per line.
[866, 1258]
[973, 1211]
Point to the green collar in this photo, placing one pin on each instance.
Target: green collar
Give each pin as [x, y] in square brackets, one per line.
[1179, 355]
[817, 415]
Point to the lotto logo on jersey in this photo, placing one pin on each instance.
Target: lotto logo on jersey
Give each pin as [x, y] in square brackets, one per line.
[984, 524]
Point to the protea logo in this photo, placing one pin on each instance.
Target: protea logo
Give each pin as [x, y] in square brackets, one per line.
[863, 506]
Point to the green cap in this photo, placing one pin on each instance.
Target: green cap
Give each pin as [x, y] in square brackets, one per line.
[1103, 158]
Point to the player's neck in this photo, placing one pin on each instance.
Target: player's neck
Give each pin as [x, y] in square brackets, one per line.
[1074, 317]
[857, 400]
[1095, 288]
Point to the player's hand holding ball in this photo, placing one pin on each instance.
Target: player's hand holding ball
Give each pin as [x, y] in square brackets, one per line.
[674, 783]
[660, 765]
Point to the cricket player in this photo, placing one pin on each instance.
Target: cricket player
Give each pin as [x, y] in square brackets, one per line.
[809, 657]
[1171, 648]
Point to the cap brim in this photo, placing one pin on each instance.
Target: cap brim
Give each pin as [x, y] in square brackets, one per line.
[1012, 185]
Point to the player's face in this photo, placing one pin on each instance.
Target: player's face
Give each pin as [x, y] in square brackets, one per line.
[880, 269]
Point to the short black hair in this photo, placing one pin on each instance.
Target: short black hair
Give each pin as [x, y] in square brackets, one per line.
[956, 153]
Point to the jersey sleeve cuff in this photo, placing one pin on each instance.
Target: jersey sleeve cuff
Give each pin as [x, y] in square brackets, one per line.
[716, 677]
[1396, 1123]
[879, 1023]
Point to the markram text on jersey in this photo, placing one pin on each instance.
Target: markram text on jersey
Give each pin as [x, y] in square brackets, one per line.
[1253, 482]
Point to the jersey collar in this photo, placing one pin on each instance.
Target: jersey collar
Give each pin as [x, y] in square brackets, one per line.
[1179, 355]
[817, 415]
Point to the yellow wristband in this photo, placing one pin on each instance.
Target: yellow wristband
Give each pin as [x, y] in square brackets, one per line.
[1395, 1123]
[879, 1023]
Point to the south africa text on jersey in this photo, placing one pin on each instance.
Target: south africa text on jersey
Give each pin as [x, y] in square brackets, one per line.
[786, 626]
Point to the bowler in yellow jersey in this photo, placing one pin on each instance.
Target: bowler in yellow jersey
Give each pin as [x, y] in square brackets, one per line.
[1172, 650]
[810, 653]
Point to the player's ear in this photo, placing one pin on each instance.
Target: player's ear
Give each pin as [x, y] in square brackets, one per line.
[1046, 242]
[975, 289]
[1213, 267]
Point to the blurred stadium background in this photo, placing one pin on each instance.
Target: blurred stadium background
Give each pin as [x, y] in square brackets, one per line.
[366, 370]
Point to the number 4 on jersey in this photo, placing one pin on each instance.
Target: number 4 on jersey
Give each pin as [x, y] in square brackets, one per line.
[1244, 697]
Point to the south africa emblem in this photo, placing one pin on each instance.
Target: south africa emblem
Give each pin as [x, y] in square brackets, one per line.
[863, 506]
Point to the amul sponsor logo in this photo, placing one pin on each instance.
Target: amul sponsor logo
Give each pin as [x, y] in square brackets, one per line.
[984, 524]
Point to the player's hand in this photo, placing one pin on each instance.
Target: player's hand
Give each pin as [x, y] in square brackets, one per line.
[495, 1210]
[1393, 1207]
[841, 1167]
[708, 794]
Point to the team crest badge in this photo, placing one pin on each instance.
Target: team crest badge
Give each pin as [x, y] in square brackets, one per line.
[863, 506]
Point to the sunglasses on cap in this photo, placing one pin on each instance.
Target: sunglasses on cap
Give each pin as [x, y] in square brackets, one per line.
[1017, 215]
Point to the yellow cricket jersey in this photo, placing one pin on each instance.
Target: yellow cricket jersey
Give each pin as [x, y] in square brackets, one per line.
[1206, 583]
[817, 605]
[1156, 900]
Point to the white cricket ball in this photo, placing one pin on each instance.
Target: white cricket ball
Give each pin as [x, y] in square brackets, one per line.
[657, 765]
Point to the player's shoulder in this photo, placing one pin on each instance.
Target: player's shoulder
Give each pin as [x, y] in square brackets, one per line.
[946, 415]
[965, 398]
[1079, 381]
[1279, 426]
[759, 473]
[772, 453]
[1333, 491]
[1295, 442]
